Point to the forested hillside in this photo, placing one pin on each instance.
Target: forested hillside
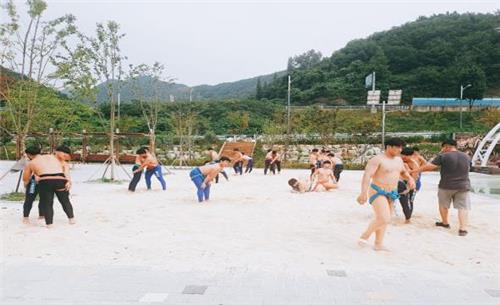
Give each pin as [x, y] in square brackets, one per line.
[429, 57]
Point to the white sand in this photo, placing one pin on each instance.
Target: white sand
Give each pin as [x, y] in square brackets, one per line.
[252, 222]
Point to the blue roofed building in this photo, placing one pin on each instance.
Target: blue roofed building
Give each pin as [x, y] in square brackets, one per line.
[451, 104]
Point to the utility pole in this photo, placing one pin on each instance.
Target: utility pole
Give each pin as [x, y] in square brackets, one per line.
[373, 81]
[288, 106]
[462, 89]
[383, 125]
[119, 103]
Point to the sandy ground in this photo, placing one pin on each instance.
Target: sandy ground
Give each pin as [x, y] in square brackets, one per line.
[252, 223]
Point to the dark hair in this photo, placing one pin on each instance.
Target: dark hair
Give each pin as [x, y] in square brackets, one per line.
[315, 150]
[224, 158]
[331, 155]
[292, 181]
[33, 150]
[236, 149]
[397, 142]
[210, 148]
[269, 150]
[141, 151]
[407, 151]
[145, 148]
[274, 152]
[327, 161]
[449, 142]
[415, 148]
[63, 148]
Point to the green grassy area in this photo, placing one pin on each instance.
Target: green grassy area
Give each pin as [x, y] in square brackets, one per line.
[13, 196]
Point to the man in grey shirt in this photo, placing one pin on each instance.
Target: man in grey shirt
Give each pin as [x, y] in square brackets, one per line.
[454, 185]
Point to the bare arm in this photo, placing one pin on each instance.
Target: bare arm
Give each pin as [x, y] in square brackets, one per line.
[27, 173]
[406, 176]
[427, 168]
[67, 175]
[371, 168]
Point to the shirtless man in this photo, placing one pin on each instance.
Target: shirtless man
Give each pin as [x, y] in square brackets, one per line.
[267, 160]
[421, 162]
[249, 161]
[212, 155]
[202, 177]
[31, 188]
[407, 195]
[313, 159]
[275, 162]
[324, 177]
[53, 179]
[383, 171]
[153, 167]
[238, 162]
[137, 170]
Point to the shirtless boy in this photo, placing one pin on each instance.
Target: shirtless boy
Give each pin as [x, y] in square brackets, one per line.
[202, 177]
[383, 171]
[300, 186]
[53, 179]
[313, 159]
[267, 160]
[275, 162]
[137, 169]
[324, 177]
[152, 166]
[407, 195]
[421, 162]
[237, 162]
[31, 188]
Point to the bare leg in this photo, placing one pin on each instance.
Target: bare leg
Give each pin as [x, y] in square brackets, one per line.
[330, 186]
[26, 220]
[444, 215]
[381, 208]
[463, 219]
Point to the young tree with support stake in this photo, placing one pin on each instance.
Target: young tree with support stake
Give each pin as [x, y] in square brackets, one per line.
[95, 60]
[28, 53]
[150, 103]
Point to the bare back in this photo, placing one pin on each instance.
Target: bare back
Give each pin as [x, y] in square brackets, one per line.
[46, 164]
[210, 170]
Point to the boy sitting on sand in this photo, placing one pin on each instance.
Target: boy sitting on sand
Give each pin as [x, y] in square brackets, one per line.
[324, 176]
[300, 186]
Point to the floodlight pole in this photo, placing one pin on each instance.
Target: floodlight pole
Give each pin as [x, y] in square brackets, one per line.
[119, 103]
[383, 125]
[373, 81]
[288, 106]
[462, 89]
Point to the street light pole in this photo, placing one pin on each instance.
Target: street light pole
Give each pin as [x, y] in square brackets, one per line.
[288, 106]
[383, 125]
[462, 89]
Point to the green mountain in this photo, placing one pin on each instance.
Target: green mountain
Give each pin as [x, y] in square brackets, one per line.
[430, 57]
[241, 89]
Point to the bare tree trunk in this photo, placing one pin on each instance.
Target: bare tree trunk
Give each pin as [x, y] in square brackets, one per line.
[152, 142]
[20, 145]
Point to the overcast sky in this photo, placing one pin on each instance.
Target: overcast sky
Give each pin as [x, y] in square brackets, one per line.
[209, 42]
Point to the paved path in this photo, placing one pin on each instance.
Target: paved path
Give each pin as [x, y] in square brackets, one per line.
[63, 285]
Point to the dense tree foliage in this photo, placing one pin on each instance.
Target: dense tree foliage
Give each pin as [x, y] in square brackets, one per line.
[430, 57]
